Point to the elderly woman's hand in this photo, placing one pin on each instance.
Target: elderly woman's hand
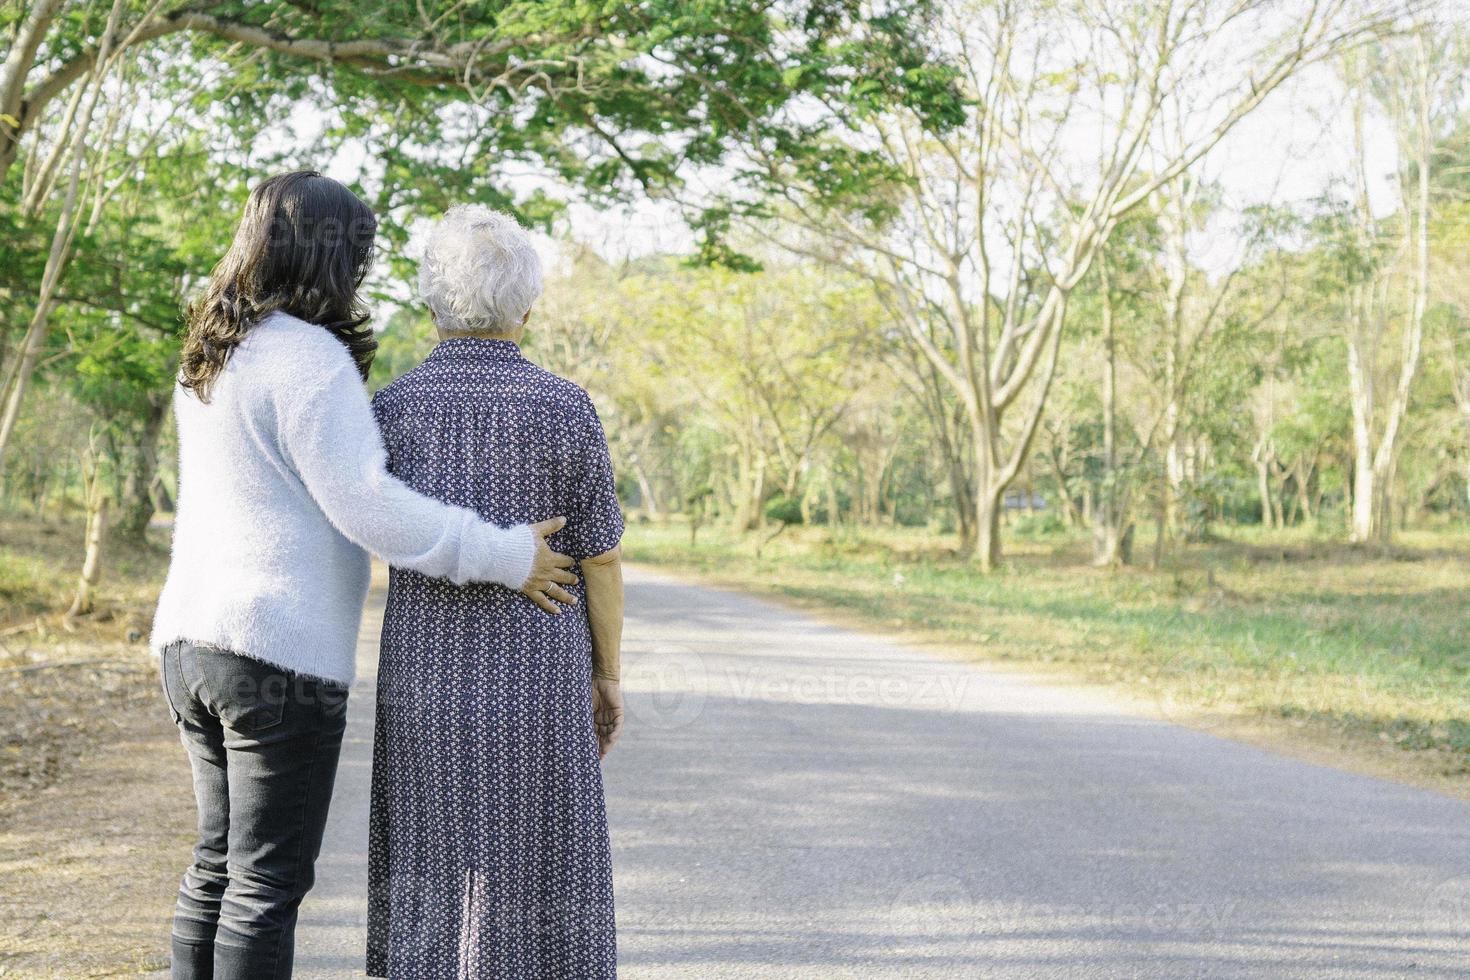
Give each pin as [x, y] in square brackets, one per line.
[607, 713]
[548, 569]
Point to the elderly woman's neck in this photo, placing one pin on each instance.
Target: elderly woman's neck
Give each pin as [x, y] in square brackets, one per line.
[513, 336]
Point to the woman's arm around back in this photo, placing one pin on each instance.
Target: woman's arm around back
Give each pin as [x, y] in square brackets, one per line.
[331, 439]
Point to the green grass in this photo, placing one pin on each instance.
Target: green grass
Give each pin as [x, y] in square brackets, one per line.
[1285, 625]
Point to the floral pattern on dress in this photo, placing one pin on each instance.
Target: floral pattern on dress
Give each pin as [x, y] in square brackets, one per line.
[488, 846]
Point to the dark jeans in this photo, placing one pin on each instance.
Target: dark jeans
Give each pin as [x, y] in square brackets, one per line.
[263, 743]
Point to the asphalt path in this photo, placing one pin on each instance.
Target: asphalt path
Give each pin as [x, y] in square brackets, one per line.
[797, 800]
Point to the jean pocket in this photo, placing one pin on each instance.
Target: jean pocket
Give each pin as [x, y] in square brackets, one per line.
[249, 696]
[168, 672]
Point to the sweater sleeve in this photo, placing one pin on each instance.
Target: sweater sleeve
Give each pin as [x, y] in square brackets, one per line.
[331, 439]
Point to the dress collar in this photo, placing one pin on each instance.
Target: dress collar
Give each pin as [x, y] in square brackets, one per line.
[476, 349]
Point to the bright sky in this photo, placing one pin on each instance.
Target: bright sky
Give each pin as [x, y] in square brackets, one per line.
[1295, 148]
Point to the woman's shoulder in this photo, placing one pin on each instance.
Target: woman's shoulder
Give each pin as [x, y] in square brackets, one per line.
[282, 332]
[284, 364]
[563, 390]
[566, 399]
[293, 351]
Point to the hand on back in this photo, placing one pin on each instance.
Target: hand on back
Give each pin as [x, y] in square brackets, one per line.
[549, 570]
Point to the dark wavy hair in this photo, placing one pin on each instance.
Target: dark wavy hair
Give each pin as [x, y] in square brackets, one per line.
[303, 247]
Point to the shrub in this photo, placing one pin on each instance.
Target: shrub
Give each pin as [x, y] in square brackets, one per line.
[783, 510]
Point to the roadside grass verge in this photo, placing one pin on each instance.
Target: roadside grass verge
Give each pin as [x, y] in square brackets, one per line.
[1288, 627]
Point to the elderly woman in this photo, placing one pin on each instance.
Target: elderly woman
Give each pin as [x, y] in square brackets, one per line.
[489, 848]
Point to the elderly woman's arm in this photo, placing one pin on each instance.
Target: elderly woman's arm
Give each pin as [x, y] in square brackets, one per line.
[603, 575]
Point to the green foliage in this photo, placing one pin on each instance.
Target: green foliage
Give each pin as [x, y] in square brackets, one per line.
[707, 376]
[405, 340]
[733, 380]
[783, 510]
[444, 104]
[1043, 525]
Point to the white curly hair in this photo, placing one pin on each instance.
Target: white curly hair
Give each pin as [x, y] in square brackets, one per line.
[480, 272]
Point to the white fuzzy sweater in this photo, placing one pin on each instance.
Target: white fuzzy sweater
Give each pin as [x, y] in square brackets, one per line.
[282, 493]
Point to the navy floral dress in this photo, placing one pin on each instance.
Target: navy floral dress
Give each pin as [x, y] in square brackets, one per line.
[488, 843]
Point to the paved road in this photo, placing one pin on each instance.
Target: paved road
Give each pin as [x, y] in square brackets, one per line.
[794, 800]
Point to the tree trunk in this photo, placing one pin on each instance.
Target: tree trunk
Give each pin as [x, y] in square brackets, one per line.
[963, 495]
[1161, 530]
[1112, 527]
[1278, 502]
[1374, 466]
[872, 465]
[645, 488]
[1291, 514]
[135, 509]
[1384, 522]
[1070, 513]
[751, 491]
[1174, 218]
[1303, 499]
[1112, 542]
[1263, 484]
[1420, 137]
[82, 603]
[1363, 522]
[161, 498]
[988, 507]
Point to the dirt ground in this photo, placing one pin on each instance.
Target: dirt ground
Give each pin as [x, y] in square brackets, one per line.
[96, 808]
[91, 862]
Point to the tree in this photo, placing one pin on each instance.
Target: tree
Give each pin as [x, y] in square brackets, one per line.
[1449, 269]
[609, 99]
[1412, 82]
[138, 234]
[18, 377]
[771, 361]
[979, 227]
